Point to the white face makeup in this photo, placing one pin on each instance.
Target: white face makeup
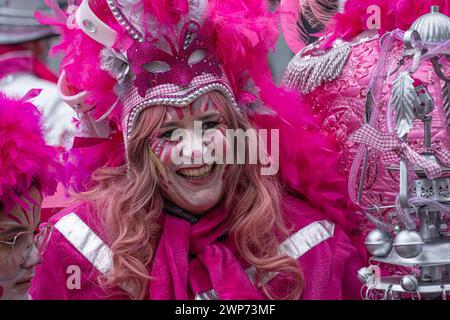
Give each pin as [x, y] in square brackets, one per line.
[17, 265]
[197, 187]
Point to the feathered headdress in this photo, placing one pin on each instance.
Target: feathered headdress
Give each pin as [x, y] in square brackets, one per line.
[25, 159]
[123, 56]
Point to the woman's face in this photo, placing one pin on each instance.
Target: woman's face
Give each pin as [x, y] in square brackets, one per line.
[195, 184]
[17, 263]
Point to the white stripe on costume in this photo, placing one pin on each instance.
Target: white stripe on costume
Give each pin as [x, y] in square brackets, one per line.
[85, 241]
[295, 246]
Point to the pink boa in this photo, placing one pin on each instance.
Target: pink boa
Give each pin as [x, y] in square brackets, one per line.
[25, 159]
[167, 11]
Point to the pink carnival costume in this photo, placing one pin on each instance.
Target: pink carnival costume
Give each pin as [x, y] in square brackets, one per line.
[184, 50]
[335, 74]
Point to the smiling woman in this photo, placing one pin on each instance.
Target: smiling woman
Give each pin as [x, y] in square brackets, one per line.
[149, 227]
[29, 171]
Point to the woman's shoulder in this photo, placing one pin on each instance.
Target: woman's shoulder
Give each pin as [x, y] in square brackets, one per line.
[299, 213]
[75, 251]
[309, 226]
[76, 218]
[326, 254]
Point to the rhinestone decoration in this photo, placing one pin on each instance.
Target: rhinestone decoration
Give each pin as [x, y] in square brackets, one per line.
[89, 25]
[181, 71]
[132, 31]
[308, 74]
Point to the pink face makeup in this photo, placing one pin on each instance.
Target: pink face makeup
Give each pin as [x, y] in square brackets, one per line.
[194, 186]
[15, 272]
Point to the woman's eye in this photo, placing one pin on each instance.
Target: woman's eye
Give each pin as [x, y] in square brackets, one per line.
[209, 125]
[167, 134]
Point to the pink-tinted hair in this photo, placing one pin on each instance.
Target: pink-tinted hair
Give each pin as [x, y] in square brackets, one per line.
[130, 205]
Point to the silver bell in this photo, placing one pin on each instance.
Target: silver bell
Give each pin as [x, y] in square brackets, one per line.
[409, 283]
[408, 244]
[378, 243]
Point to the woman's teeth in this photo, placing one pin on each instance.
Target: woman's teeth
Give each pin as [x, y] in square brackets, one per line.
[197, 173]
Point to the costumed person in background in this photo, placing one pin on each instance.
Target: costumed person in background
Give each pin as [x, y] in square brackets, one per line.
[29, 171]
[150, 227]
[23, 49]
[340, 77]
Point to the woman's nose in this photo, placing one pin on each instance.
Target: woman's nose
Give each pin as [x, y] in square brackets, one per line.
[193, 149]
[33, 258]
[196, 153]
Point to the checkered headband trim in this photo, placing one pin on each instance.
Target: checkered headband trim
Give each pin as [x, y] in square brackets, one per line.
[171, 95]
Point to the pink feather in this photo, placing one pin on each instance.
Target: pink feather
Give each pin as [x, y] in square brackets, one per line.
[25, 159]
[167, 11]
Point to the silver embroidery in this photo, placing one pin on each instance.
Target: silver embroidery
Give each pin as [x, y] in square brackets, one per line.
[308, 73]
[310, 68]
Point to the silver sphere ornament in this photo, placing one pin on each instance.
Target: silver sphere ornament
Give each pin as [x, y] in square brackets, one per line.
[408, 244]
[409, 283]
[364, 274]
[432, 27]
[378, 243]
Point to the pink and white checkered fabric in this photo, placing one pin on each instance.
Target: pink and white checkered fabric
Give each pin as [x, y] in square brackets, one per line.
[132, 98]
[394, 148]
[175, 95]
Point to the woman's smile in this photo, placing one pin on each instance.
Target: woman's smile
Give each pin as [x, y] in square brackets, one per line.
[197, 173]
